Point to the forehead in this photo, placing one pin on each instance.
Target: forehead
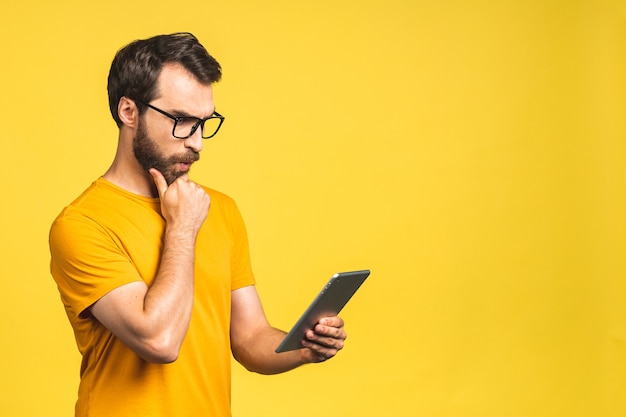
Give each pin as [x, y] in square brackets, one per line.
[178, 89]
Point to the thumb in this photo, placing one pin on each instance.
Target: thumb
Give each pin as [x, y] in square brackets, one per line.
[159, 181]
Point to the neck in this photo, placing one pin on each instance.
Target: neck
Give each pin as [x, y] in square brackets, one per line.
[143, 186]
[127, 173]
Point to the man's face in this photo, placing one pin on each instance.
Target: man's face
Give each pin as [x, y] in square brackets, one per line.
[153, 145]
[149, 155]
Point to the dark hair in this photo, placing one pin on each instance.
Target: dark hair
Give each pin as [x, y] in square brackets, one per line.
[136, 67]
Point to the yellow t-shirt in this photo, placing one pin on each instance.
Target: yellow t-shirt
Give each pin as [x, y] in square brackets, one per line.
[109, 237]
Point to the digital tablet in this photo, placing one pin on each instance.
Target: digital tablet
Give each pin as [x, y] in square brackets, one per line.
[329, 302]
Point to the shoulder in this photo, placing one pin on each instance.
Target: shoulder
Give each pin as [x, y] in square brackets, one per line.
[104, 210]
[97, 198]
[224, 210]
[76, 216]
[221, 201]
[218, 196]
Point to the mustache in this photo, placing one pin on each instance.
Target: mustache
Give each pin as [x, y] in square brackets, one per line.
[189, 157]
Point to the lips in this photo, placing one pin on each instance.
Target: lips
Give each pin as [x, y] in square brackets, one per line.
[184, 166]
[185, 163]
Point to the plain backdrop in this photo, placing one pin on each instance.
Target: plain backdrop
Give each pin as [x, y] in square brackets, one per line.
[471, 153]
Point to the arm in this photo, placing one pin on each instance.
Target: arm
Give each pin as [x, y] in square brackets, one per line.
[153, 321]
[253, 340]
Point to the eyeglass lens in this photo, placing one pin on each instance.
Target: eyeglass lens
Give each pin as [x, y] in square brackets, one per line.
[184, 127]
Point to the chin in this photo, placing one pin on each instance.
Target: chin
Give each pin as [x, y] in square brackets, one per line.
[170, 176]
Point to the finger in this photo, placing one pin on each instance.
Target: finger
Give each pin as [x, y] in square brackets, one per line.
[334, 321]
[328, 331]
[320, 353]
[323, 344]
[330, 338]
[159, 181]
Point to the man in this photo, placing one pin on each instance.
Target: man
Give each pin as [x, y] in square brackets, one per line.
[153, 269]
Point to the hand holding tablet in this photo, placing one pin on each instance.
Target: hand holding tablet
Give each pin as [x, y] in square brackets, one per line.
[329, 302]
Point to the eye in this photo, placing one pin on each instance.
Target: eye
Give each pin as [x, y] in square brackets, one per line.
[186, 122]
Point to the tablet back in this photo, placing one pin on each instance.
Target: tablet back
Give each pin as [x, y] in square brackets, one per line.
[328, 302]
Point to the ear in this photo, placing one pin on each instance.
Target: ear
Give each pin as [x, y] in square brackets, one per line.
[128, 112]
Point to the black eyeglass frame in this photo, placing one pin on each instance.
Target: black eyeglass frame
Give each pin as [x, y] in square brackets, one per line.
[179, 119]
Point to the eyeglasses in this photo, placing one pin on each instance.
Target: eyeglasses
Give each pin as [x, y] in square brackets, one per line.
[185, 126]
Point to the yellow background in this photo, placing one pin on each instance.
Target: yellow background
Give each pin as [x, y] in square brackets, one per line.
[472, 154]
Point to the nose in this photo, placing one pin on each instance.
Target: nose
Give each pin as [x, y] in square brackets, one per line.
[195, 141]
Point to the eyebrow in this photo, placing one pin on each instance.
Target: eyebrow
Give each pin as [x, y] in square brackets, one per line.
[182, 113]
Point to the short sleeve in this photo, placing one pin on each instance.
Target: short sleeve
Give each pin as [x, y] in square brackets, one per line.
[86, 261]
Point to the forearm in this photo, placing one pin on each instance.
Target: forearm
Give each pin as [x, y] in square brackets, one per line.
[258, 353]
[253, 340]
[169, 301]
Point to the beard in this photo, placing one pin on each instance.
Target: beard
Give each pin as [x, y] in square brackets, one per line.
[149, 156]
